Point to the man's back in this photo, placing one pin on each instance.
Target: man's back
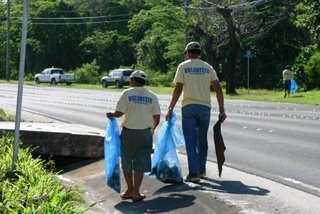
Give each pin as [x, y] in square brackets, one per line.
[287, 74]
[196, 75]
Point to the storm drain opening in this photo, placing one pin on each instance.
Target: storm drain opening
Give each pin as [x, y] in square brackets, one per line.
[63, 164]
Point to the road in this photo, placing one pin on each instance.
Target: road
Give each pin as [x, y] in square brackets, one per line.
[278, 141]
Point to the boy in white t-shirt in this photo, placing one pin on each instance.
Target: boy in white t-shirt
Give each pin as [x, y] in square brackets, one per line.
[141, 112]
[194, 77]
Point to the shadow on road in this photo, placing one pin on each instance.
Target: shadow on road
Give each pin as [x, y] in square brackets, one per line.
[161, 204]
[207, 184]
[235, 187]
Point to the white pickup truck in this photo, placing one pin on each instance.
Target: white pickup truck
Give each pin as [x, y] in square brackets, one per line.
[54, 76]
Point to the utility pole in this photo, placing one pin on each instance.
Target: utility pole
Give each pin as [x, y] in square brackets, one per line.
[248, 55]
[20, 85]
[186, 5]
[8, 42]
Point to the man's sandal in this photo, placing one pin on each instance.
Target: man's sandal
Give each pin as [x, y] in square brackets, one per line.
[138, 198]
[123, 196]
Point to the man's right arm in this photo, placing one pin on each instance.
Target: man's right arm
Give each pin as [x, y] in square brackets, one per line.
[175, 97]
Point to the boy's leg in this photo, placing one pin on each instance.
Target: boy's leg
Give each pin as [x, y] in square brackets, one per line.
[130, 187]
[137, 180]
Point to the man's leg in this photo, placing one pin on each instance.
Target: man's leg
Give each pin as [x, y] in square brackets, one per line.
[289, 87]
[189, 126]
[204, 121]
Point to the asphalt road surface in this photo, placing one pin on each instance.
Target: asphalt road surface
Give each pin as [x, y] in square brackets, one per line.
[278, 141]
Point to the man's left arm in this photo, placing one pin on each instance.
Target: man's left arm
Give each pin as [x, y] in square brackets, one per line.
[217, 88]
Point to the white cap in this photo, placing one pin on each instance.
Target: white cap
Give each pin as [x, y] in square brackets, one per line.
[192, 46]
[139, 74]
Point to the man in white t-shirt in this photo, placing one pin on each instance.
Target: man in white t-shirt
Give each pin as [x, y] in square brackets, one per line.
[194, 77]
[287, 75]
[141, 111]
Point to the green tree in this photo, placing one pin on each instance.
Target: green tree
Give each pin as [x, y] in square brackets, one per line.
[308, 16]
[110, 49]
[275, 43]
[54, 38]
[160, 36]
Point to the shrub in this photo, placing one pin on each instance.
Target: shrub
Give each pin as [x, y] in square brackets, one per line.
[312, 69]
[88, 73]
[156, 78]
[300, 75]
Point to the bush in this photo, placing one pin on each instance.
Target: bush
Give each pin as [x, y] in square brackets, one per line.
[312, 69]
[35, 189]
[300, 75]
[88, 73]
[14, 74]
[157, 78]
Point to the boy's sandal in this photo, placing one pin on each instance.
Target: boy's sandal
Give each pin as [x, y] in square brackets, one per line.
[123, 196]
[138, 198]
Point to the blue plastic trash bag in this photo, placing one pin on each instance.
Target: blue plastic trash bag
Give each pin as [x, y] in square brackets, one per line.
[112, 155]
[294, 86]
[165, 162]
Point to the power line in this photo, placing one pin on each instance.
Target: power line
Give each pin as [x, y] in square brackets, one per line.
[74, 23]
[48, 20]
[78, 23]
[236, 6]
[77, 18]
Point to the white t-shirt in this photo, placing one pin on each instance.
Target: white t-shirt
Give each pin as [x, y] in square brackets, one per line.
[196, 76]
[287, 74]
[138, 105]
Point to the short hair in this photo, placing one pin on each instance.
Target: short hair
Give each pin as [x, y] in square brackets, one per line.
[196, 52]
[140, 81]
[287, 66]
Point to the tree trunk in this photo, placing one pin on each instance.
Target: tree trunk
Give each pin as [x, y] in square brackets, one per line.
[235, 49]
[209, 46]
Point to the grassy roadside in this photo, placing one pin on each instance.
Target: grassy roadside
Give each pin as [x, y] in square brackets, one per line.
[4, 115]
[33, 188]
[309, 97]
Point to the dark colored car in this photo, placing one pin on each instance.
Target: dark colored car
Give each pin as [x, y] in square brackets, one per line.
[118, 77]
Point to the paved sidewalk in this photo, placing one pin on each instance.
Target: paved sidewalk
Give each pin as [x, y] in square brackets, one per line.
[234, 192]
[161, 198]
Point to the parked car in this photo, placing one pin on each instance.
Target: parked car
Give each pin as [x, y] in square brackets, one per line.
[54, 76]
[118, 77]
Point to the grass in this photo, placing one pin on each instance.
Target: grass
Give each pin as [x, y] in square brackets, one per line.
[309, 97]
[4, 115]
[33, 189]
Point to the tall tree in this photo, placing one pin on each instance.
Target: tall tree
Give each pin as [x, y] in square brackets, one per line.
[159, 33]
[308, 16]
[56, 37]
[235, 48]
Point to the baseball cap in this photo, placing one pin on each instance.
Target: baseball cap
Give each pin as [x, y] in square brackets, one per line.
[192, 46]
[139, 74]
